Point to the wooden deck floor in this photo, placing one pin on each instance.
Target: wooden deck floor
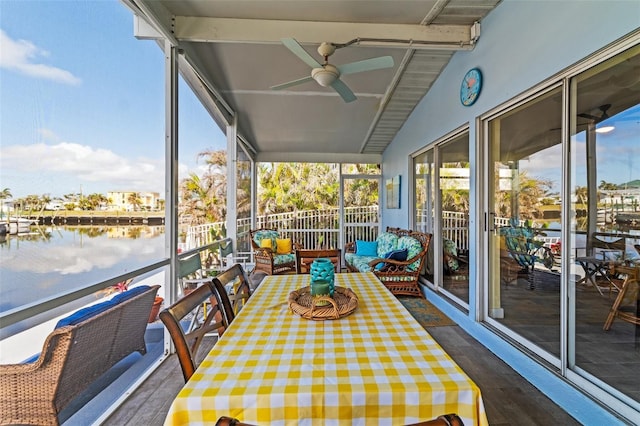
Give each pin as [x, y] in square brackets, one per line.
[508, 398]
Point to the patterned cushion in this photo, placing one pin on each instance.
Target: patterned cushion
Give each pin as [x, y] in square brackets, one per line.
[450, 248]
[349, 258]
[521, 245]
[260, 235]
[413, 247]
[361, 263]
[387, 241]
[281, 259]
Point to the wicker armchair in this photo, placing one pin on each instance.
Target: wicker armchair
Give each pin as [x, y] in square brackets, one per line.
[399, 276]
[73, 357]
[267, 259]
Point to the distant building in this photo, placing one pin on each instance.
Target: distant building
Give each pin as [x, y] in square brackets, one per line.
[624, 199]
[123, 200]
[54, 205]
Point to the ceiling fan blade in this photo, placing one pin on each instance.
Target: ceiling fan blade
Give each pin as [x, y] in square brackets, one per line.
[292, 83]
[294, 46]
[343, 90]
[366, 65]
[588, 116]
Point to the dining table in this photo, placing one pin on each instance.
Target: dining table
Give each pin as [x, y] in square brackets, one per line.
[374, 366]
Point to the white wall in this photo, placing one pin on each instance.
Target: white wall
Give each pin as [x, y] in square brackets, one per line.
[522, 43]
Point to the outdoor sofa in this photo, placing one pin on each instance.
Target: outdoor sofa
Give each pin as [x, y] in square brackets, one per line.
[396, 257]
[81, 348]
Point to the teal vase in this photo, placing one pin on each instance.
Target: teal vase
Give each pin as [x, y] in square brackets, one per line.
[322, 269]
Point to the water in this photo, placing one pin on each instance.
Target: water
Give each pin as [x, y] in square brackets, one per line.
[54, 260]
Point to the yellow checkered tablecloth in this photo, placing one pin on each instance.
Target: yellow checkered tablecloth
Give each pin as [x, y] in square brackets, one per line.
[377, 366]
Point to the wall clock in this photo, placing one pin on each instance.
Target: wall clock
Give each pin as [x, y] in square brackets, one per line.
[470, 87]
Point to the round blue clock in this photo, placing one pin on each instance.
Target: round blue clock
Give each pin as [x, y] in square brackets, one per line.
[470, 87]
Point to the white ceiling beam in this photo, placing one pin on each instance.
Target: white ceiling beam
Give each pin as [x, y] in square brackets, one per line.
[230, 30]
[143, 30]
[155, 15]
[316, 157]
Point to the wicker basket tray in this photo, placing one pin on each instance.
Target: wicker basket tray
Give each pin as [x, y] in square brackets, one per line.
[343, 303]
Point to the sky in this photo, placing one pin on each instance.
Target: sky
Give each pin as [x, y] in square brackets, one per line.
[82, 102]
[82, 106]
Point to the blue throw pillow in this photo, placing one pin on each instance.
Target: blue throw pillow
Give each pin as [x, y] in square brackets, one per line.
[366, 248]
[400, 255]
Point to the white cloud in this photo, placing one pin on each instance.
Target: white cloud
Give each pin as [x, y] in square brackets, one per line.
[22, 56]
[81, 164]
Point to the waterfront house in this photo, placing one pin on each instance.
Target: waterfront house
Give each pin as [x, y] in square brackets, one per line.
[122, 200]
[497, 90]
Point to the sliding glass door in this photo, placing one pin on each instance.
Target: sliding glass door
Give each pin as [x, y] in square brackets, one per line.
[441, 207]
[562, 226]
[524, 179]
[605, 147]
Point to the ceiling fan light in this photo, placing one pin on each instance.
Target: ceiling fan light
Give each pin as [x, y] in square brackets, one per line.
[326, 75]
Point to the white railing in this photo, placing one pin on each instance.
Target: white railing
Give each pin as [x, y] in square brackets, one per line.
[455, 226]
[310, 228]
[320, 228]
[316, 229]
[201, 235]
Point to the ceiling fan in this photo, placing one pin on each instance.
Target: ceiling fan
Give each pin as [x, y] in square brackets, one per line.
[328, 75]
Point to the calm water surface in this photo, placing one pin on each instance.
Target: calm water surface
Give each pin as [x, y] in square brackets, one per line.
[53, 260]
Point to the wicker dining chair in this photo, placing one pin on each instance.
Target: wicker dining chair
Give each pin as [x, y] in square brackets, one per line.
[304, 258]
[444, 420]
[187, 342]
[230, 421]
[224, 300]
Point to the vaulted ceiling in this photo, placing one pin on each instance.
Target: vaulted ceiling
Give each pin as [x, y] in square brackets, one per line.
[232, 54]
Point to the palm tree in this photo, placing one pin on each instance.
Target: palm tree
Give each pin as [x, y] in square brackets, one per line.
[45, 199]
[96, 200]
[528, 195]
[582, 194]
[195, 194]
[203, 198]
[135, 200]
[32, 202]
[5, 193]
[282, 187]
[607, 186]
